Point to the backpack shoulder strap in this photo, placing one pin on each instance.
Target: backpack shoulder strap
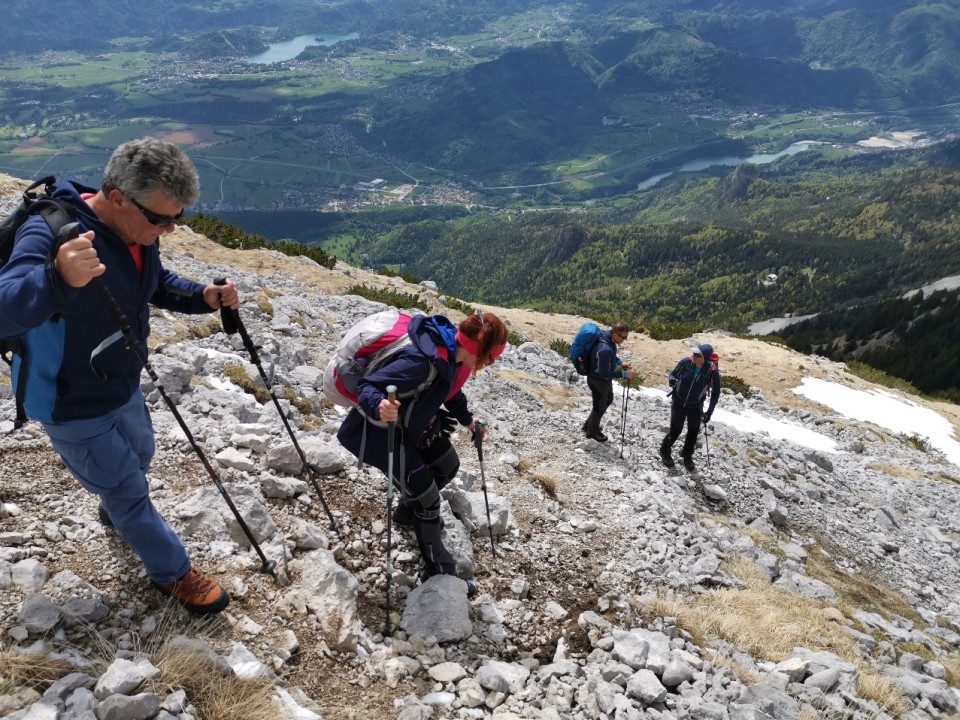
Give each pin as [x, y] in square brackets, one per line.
[56, 213]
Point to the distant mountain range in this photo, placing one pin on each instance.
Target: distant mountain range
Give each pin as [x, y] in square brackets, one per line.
[801, 55]
[790, 52]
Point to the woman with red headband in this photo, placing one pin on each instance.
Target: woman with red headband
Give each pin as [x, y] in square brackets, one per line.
[424, 421]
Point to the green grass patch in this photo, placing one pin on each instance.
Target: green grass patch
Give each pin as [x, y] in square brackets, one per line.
[872, 374]
[671, 330]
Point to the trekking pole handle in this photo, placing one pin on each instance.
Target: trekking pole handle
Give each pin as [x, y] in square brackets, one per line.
[68, 232]
[478, 436]
[227, 315]
[392, 397]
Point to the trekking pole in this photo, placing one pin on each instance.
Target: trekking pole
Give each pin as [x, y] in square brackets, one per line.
[478, 442]
[623, 415]
[391, 427]
[232, 324]
[68, 232]
[706, 442]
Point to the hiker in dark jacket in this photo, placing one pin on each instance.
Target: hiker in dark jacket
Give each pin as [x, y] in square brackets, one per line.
[691, 379]
[604, 367]
[82, 383]
[425, 460]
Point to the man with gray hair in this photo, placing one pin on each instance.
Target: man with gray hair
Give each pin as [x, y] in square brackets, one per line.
[81, 382]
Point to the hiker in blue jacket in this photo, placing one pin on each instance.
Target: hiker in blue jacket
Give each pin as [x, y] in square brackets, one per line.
[605, 366]
[691, 379]
[426, 459]
[82, 383]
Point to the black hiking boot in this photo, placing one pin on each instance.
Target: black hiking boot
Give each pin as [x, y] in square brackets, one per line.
[104, 517]
[666, 458]
[598, 436]
[403, 515]
[689, 464]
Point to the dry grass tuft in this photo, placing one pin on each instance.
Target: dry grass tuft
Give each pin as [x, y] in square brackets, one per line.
[239, 377]
[894, 470]
[552, 395]
[879, 688]
[299, 402]
[34, 670]
[769, 622]
[547, 483]
[215, 695]
[857, 591]
[265, 305]
[952, 664]
[765, 620]
[205, 329]
[742, 673]
[944, 478]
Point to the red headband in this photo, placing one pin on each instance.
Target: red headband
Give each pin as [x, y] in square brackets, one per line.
[473, 347]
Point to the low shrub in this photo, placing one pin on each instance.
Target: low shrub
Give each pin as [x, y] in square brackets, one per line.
[736, 384]
[389, 272]
[460, 306]
[561, 347]
[389, 297]
[672, 331]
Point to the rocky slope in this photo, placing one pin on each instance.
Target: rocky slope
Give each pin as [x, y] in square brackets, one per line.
[776, 582]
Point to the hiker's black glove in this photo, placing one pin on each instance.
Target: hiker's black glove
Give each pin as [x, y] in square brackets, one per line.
[441, 425]
[447, 422]
[673, 382]
[706, 418]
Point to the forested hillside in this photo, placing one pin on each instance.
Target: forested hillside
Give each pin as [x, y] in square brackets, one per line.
[832, 239]
[916, 338]
[670, 58]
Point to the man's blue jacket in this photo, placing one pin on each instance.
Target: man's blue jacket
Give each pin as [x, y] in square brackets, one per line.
[604, 362]
[690, 384]
[61, 326]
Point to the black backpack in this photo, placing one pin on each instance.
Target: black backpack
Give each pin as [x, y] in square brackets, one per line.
[57, 215]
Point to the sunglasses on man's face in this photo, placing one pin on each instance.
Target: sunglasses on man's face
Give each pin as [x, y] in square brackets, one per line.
[155, 219]
[697, 355]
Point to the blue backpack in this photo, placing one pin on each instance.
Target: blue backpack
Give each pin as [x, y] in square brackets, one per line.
[582, 347]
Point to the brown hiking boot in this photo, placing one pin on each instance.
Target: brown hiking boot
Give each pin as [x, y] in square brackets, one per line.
[197, 593]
